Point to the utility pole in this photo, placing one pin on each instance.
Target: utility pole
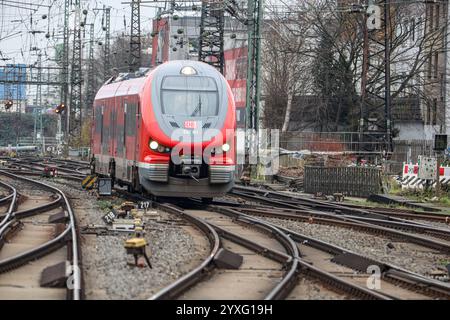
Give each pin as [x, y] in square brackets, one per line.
[254, 20]
[135, 37]
[211, 34]
[375, 127]
[65, 69]
[38, 109]
[107, 29]
[387, 73]
[89, 97]
[74, 123]
[106, 26]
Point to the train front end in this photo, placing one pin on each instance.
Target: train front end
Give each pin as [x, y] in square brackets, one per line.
[189, 125]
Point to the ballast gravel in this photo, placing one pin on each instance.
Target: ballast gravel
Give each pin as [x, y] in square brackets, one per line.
[174, 249]
[409, 256]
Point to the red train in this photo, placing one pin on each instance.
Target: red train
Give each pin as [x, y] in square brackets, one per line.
[170, 132]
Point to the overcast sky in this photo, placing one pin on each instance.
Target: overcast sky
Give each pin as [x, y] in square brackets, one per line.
[17, 24]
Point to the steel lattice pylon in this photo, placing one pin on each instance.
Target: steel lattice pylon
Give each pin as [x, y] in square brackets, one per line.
[107, 62]
[376, 123]
[65, 62]
[254, 21]
[211, 34]
[90, 93]
[74, 124]
[135, 36]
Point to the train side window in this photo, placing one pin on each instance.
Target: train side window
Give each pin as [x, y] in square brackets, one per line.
[98, 119]
[120, 129]
[131, 120]
[105, 133]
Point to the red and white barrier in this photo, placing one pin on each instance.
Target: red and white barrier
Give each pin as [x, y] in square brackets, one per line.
[410, 177]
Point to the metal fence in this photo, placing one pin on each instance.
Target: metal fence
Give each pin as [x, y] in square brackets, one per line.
[352, 181]
[404, 150]
[28, 141]
[328, 141]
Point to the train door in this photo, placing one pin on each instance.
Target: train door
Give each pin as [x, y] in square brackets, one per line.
[121, 161]
[104, 158]
[130, 135]
[97, 130]
[112, 127]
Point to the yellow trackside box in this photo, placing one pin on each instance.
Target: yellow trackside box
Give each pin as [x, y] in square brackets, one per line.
[135, 243]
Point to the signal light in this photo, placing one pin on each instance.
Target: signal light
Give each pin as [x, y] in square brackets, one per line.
[8, 104]
[59, 109]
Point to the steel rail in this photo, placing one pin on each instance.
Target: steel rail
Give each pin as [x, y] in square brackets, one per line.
[37, 172]
[354, 222]
[12, 197]
[298, 264]
[388, 270]
[345, 208]
[194, 276]
[402, 225]
[43, 165]
[283, 288]
[68, 235]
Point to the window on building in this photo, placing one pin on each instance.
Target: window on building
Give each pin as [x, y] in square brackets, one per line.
[434, 111]
[430, 63]
[436, 64]
[431, 17]
[437, 18]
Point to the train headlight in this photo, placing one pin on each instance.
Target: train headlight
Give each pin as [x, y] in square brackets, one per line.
[188, 71]
[153, 145]
[226, 147]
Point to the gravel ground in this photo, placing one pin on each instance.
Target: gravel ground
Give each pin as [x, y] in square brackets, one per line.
[408, 256]
[174, 250]
[25, 188]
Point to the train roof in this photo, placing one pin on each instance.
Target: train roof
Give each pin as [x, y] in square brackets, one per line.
[133, 83]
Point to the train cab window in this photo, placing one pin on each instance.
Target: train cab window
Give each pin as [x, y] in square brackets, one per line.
[189, 96]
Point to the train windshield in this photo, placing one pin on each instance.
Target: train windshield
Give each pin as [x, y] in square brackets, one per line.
[189, 96]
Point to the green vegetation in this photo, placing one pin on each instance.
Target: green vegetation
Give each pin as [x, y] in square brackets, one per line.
[444, 262]
[421, 195]
[104, 205]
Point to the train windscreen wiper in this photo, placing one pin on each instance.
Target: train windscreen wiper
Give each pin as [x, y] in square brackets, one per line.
[198, 108]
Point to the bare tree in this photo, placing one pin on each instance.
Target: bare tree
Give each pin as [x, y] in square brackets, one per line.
[332, 45]
[285, 71]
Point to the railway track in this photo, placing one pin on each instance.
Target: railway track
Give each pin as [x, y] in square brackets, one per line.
[261, 276]
[27, 236]
[8, 200]
[40, 164]
[285, 206]
[342, 208]
[269, 254]
[314, 262]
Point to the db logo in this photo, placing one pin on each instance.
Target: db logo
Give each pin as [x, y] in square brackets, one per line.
[188, 124]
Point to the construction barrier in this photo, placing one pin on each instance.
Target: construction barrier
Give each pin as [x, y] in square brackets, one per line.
[410, 178]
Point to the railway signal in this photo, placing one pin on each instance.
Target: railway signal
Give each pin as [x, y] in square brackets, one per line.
[8, 104]
[60, 108]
